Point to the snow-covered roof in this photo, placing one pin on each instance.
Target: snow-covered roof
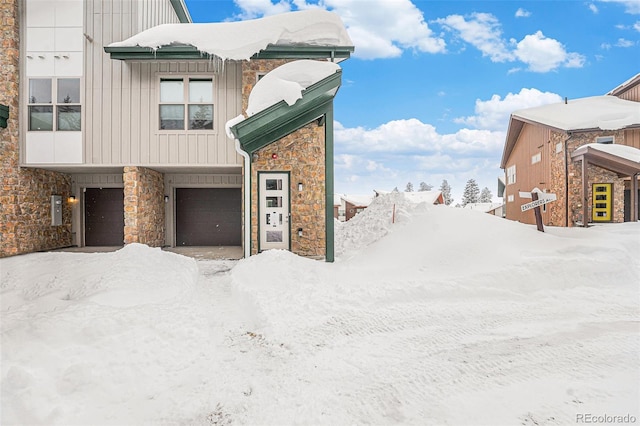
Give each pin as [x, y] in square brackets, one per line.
[285, 83]
[241, 40]
[482, 207]
[623, 151]
[358, 200]
[596, 112]
[429, 197]
[626, 85]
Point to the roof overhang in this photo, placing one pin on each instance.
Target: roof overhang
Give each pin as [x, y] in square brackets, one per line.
[181, 10]
[620, 165]
[188, 52]
[281, 119]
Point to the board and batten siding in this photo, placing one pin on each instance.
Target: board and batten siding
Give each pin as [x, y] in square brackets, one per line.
[121, 113]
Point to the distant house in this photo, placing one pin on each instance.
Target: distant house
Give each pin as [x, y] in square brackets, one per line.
[147, 128]
[429, 197]
[585, 151]
[354, 204]
[491, 208]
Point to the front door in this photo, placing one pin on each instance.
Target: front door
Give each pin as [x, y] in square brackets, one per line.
[273, 194]
[602, 202]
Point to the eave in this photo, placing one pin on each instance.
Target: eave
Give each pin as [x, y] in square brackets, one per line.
[181, 10]
[281, 119]
[188, 52]
[619, 165]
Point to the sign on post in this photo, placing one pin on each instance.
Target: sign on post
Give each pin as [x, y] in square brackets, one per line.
[537, 203]
[539, 198]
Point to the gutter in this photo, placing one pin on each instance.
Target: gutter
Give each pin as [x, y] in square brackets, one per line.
[566, 180]
[247, 199]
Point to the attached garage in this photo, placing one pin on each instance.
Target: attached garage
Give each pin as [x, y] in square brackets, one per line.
[208, 216]
[104, 217]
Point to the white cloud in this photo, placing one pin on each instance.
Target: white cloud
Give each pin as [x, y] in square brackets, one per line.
[544, 54]
[481, 30]
[384, 28]
[494, 113]
[257, 8]
[625, 43]
[522, 13]
[636, 26]
[631, 6]
[593, 8]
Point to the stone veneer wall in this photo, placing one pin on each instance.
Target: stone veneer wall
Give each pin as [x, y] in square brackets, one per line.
[301, 153]
[596, 175]
[25, 194]
[143, 206]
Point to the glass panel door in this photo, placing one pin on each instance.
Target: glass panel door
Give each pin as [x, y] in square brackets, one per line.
[601, 207]
[274, 210]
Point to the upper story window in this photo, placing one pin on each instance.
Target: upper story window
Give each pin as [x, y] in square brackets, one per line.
[536, 158]
[64, 114]
[511, 174]
[605, 139]
[186, 103]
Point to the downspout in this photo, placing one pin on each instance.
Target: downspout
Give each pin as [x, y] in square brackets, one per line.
[247, 199]
[566, 180]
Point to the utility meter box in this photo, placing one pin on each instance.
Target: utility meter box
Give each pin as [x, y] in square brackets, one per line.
[56, 210]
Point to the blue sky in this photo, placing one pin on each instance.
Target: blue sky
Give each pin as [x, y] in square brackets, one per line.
[428, 93]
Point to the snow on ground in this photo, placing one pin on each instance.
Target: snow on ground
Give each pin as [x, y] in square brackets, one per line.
[446, 316]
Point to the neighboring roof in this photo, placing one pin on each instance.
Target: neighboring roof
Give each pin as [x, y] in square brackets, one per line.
[358, 200]
[429, 197]
[284, 100]
[181, 10]
[621, 159]
[593, 113]
[633, 81]
[313, 33]
[482, 207]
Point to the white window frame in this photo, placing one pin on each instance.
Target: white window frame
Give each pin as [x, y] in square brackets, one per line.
[536, 158]
[606, 139]
[186, 102]
[54, 104]
[511, 175]
[510, 198]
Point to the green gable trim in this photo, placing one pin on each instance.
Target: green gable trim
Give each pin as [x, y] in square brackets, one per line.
[280, 119]
[181, 10]
[191, 53]
[4, 115]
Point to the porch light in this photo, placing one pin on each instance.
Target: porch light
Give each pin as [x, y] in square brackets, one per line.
[299, 232]
[166, 199]
[300, 186]
[72, 199]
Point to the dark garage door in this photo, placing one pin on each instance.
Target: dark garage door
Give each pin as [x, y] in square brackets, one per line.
[104, 217]
[208, 217]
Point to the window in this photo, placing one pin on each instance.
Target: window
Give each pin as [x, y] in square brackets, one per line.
[536, 158]
[186, 104]
[511, 175]
[605, 139]
[66, 92]
[510, 198]
[558, 148]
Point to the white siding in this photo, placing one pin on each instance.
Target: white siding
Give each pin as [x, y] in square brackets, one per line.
[121, 104]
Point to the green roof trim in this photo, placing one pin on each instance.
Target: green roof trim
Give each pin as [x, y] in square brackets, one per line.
[181, 10]
[188, 52]
[4, 115]
[281, 119]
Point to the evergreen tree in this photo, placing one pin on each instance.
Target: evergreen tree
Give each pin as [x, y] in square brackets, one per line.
[471, 192]
[424, 187]
[446, 192]
[409, 187]
[485, 195]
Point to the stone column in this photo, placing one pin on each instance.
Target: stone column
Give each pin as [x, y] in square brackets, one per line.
[143, 206]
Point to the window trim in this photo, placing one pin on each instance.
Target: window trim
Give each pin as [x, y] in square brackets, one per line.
[54, 104]
[536, 158]
[511, 172]
[186, 77]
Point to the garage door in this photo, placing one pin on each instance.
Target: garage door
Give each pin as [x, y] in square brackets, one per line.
[208, 217]
[104, 217]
